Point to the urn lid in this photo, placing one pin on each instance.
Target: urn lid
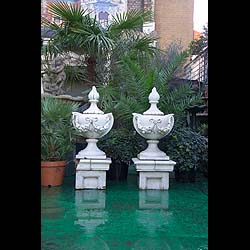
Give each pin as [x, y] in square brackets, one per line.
[93, 97]
[153, 98]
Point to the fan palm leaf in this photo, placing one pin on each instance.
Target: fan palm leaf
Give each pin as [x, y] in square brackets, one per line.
[128, 21]
[68, 13]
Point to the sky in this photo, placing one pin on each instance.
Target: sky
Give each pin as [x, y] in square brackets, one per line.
[200, 14]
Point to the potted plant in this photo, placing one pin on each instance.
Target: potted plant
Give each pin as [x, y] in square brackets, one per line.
[56, 138]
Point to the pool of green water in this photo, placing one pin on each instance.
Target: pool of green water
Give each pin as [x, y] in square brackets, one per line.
[122, 217]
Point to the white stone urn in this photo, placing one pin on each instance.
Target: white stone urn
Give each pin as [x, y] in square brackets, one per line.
[153, 125]
[92, 125]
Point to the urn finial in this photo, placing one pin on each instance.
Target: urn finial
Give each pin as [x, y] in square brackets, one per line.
[153, 98]
[93, 95]
[93, 99]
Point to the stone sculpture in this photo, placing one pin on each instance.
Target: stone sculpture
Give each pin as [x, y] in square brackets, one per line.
[153, 164]
[92, 124]
[54, 78]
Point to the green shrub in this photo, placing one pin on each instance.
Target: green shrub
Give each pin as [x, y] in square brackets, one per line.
[188, 148]
[121, 145]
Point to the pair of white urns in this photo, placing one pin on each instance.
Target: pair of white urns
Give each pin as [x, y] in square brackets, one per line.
[94, 124]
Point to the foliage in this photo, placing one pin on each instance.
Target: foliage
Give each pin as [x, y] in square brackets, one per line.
[74, 74]
[129, 91]
[84, 35]
[56, 129]
[203, 129]
[128, 66]
[170, 60]
[197, 46]
[121, 144]
[187, 148]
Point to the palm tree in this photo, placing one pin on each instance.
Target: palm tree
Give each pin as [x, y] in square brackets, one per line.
[81, 34]
[129, 92]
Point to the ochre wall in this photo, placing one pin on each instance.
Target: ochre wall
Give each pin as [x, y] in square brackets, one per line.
[174, 21]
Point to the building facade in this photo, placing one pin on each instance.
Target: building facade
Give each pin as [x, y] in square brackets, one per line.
[104, 9]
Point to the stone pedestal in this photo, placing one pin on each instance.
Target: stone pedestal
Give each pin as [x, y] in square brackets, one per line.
[154, 174]
[92, 124]
[91, 173]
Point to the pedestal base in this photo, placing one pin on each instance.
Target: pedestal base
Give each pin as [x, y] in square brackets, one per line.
[153, 152]
[91, 151]
[91, 173]
[153, 174]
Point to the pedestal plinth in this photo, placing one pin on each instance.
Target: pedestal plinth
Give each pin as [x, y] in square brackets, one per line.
[91, 173]
[153, 174]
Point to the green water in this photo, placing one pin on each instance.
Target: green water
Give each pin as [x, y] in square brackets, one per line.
[125, 218]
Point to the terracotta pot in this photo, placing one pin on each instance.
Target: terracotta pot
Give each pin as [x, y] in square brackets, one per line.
[52, 173]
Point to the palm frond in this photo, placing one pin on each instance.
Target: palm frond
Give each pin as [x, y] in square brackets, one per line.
[52, 25]
[130, 20]
[174, 65]
[127, 106]
[108, 97]
[143, 44]
[75, 74]
[69, 13]
[136, 83]
[178, 99]
[134, 68]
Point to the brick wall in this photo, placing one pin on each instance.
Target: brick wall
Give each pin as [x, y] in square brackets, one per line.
[174, 21]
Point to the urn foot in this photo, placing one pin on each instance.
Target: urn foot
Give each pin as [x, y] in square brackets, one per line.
[91, 151]
[152, 152]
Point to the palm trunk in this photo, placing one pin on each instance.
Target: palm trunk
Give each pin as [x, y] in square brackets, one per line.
[91, 70]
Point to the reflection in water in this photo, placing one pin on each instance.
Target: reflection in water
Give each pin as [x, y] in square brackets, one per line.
[90, 205]
[92, 244]
[153, 199]
[149, 201]
[152, 244]
[88, 199]
[51, 203]
[123, 218]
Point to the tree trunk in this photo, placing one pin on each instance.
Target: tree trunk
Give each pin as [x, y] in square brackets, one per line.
[91, 71]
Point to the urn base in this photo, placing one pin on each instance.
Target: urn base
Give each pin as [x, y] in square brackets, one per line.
[152, 152]
[91, 151]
